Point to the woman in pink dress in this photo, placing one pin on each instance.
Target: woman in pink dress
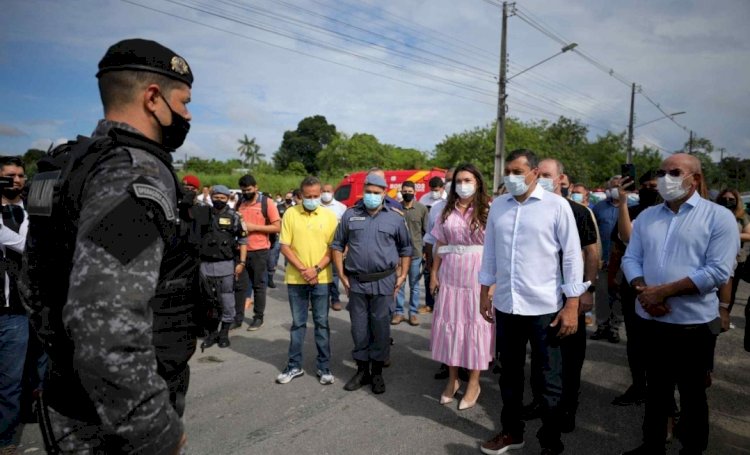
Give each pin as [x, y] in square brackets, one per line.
[460, 336]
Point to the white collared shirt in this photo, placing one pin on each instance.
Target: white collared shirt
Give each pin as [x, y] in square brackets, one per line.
[337, 207]
[522, 254]
[16, 241]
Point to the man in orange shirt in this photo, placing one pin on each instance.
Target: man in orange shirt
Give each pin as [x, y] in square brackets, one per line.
[261, 219]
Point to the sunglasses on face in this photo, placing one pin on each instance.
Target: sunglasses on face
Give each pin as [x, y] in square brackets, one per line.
[672, 172]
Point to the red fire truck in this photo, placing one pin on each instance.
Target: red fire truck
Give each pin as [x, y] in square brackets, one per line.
[351, 187]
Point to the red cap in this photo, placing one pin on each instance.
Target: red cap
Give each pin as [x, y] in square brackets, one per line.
[192, 180]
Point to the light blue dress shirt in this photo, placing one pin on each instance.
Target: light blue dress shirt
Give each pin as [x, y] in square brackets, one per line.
[435, 211]
[699, 242]
[522, 247]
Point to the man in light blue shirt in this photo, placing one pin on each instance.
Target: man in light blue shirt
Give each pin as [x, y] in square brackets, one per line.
[680, 252]
[530, 233]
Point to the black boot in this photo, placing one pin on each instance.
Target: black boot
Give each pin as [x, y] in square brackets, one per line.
[378, 383]
[211, 339]
[271, 284]
[361, 378]
[224, 335]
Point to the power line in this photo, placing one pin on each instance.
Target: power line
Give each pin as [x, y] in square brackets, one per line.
[278, 46]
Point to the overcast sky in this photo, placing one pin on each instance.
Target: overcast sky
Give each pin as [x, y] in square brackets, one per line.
[409, 72]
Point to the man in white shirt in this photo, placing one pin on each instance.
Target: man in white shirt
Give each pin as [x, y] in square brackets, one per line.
[328, 201]
[437, 192]
[530, 234]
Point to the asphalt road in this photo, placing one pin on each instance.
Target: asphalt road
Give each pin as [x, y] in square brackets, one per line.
[235, 407]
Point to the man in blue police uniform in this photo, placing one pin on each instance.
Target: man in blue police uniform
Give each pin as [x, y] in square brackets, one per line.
[378, 243]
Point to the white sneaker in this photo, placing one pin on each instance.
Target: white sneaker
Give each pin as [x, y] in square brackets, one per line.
[326, 377]
[289, 374]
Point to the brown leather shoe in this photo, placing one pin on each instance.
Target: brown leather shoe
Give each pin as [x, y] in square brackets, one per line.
[413, 320]
[397, 319]
[501, 443]
[336, 306]
[424, 310]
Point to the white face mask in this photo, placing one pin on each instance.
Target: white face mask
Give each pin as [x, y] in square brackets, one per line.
[547, 184]
[670, 188]
[326, 197]
[516, 184]
[465, 190]
[614, 194]
[436, 194]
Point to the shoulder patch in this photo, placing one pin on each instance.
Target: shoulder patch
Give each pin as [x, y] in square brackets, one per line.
[152, 193]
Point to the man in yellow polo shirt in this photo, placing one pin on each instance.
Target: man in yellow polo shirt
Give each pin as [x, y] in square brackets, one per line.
[307, 231]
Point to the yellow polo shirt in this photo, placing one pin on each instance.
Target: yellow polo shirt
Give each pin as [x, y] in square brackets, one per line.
[309, 234]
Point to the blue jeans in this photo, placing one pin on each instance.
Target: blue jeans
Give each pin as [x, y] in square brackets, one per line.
[300, 296]
[413, 289]
[273, 257]
[333, 288]
[14, 338]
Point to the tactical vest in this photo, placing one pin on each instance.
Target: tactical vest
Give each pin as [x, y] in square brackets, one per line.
[54, 206]
[220, 241]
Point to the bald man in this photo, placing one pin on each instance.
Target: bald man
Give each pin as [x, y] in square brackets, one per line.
[679, 253]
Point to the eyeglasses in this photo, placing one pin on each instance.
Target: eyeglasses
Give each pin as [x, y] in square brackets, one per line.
[672, 172]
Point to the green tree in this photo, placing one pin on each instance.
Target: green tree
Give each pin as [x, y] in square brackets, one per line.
[249, 151]
[304, 143]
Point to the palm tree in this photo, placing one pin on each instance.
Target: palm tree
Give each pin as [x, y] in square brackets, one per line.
[249, 152]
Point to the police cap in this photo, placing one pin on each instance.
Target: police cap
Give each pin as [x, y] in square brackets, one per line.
[145, 55]
[375, 179]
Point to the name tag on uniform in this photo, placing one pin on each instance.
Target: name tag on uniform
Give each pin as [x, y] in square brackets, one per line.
[357, 218]
[225, 221]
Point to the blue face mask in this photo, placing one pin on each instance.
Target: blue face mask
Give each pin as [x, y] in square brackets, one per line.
[546, 184]
[577, 197]
[311, 204]
[372, 201]
[516, 184]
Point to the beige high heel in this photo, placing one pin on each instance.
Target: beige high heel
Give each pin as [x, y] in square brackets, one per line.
[466, 404]
[449, 399]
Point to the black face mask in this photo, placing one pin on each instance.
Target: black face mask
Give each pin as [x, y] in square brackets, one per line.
[288, 201]
[647, 196]
[174, 134]
[219, 205]
[11, 193]
[731, 205]
[407, 197]
[249, 195]
[564, 191]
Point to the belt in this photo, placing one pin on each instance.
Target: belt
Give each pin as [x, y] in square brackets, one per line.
[460, 249]
[375, 276]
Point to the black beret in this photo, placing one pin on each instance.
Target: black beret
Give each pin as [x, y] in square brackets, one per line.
[145, 55]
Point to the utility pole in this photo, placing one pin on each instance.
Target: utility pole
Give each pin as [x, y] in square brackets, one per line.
[500, 129]
[629, 158]
[690, 143]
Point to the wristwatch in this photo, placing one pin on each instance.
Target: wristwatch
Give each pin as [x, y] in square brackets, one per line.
[318, 269]
[591, 288]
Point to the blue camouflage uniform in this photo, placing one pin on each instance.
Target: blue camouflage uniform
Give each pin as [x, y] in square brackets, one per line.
[376, 244]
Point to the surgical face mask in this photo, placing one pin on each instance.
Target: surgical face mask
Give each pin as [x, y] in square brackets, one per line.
[547, 184]
[633, 198]
[219, 205]
[466, 190]
[598, 196]
[613, 194]
[408, 197]
[373, 201]
[326, 197]
[516, 184]
[670, 188]
[437, 194]
[577, 197]
[311, 204]
[174, 134]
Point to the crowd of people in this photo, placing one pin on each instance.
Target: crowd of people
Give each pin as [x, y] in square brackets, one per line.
[103, 351]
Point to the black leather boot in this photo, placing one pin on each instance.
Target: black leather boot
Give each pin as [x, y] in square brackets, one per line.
[224, 335]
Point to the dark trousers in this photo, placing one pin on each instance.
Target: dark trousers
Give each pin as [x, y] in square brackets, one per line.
[371, 326]
[677, 354]
[429, 299]
[333, 287]
[257, 269]
[273, 257]
[513, 332]
[240, 291]
[634, 329]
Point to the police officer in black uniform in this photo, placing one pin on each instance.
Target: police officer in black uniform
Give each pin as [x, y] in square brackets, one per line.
[378, 242]
[115, 317]
[225, 233]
